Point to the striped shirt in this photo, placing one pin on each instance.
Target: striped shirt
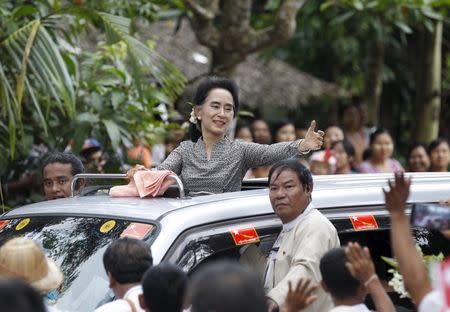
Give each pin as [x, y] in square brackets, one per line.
[228, 163]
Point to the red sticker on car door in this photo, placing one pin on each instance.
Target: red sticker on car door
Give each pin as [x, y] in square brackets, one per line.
[137, 230]
[245, 234]
[3, 224]
[363, 222]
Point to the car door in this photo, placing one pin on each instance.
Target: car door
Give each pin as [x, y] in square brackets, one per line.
[222, 240]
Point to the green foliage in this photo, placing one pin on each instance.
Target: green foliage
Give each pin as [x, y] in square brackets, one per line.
[111, 107]
[325, 48]
[332, 41]
[333, 37]
[43, 86]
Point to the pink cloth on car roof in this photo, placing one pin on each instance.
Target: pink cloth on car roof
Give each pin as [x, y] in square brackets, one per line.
[145, 183]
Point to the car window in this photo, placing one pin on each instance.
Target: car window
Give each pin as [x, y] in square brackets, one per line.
[379, 244]
[222, 241]
[77, 244]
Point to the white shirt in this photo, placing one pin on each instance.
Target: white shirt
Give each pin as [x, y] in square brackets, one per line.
[286, 228]
[432, 302]
[354, 308]
[50, 308]
[121, 305]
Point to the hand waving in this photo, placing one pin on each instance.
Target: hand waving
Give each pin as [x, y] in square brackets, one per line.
[397, 194]
[359, 262]
[300, 297]
[313, 140]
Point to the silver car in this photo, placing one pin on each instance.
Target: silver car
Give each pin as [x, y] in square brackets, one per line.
[190, 231]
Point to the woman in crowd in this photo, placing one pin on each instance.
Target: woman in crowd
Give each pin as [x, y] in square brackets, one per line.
[344, 153]
[418, 160]
[211, 161]
[23, 259]
[354, 130]
[243, 132]
[333, 134]
[439, 152]
[284, 131]
[381, 149]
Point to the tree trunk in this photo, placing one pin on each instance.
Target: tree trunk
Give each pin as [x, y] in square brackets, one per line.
[224, 63]
[225, 28]
[374, 81]
[428, 84]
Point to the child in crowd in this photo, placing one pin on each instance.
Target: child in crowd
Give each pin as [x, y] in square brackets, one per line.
[348, 274]
[163, 288]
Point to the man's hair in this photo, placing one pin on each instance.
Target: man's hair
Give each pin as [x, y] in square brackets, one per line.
[64, 158]
[164, 286]
[17, 296]
[338, 279]
[127, 259]
[224, 286]
[303, 174]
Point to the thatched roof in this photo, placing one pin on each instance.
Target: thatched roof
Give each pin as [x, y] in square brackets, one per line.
[261, 82]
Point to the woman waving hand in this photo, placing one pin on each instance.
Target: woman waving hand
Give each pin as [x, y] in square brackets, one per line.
[211, 161]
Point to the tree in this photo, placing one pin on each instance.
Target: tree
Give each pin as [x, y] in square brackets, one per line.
[384, 21]
[226, 28]
[428, 82]
[38, 71]
[368, 46]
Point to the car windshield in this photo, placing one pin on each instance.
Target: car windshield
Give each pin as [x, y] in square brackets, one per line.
[77, 244]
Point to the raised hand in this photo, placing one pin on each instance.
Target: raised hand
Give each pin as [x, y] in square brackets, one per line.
[301, 296]
[313, 140]
[397, 194]
[359, 262]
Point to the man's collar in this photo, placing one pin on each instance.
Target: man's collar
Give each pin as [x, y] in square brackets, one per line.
[131, 290]
[291, 224]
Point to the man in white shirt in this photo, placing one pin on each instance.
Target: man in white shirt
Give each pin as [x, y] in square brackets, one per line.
[305, 237]
[126, 260]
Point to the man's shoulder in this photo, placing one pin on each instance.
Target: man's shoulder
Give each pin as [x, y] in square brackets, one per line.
[118, 305]
[316, 218]
[315, 222]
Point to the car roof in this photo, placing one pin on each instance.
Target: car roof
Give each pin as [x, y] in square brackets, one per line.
[329, 192]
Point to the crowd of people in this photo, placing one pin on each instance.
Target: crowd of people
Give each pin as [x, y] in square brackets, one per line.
[250, 146]
[350, 149]
[306, 269]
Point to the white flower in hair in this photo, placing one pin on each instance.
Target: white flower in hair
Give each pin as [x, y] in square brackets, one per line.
[193, 118]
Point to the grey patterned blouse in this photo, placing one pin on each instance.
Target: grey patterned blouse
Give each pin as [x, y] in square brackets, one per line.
[229, 161]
